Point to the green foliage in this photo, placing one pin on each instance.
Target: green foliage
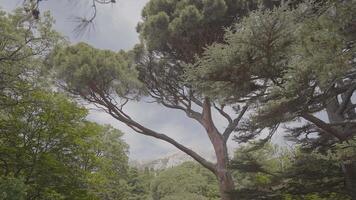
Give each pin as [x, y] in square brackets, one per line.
[139, 184]
[260, 40]
[86, 69]
[104, 159]
[187, 181]
[12, 188]
[184, 28]
[48, 150]
[24, 43]
[316, 175]
[188, 196]
[280, 46]
[287, 63]
[272, 172]
[27, 37]
[258, 171]
[48, 142]
[319, 57]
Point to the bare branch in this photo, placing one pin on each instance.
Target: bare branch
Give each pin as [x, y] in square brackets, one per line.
[85, 24]
[222, 112]
[232, 126]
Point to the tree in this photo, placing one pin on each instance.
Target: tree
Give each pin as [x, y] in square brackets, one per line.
[139, 183]
[24, 44]
[48, 144]
[181, 29]
[47, 148]
[187, 181]
[290, 63]
[103, 157]
[261, 171]
[169, 41]
[273, 172]
[12, 188]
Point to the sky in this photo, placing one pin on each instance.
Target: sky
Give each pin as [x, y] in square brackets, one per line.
[115, 29]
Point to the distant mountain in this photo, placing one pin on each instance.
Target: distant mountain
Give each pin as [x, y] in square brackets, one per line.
[166, 162]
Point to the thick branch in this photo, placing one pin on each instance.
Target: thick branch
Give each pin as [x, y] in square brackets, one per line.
[207, 120]
[117, 114]
[149, 132]
[324, 126]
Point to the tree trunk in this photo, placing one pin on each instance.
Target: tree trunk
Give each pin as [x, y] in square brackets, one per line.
[349, 170]
[226, 184]
[223, 174]
[225, 181]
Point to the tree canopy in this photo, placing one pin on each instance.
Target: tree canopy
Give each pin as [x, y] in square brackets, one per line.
[183, 28]
[288, 61]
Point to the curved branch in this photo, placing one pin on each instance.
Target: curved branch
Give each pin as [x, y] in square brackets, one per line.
[115, 112]
[146, 131]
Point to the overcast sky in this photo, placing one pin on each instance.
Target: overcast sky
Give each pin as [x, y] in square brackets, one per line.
[115, 29]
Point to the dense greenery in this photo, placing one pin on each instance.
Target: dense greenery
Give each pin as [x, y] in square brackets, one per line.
[50, 147]
[24, 43]
[48, 150]
[273, 172]
[187, 181]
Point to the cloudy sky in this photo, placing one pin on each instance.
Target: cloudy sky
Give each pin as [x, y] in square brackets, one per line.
[115, 29]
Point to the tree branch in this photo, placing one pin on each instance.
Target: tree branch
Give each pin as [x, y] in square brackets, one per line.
[115, 112]
[324, 126]
[207, 120]
[222, 112]
[231, 127]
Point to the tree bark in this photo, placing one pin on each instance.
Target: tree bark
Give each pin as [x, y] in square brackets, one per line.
[225, 181]
[223, 174]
